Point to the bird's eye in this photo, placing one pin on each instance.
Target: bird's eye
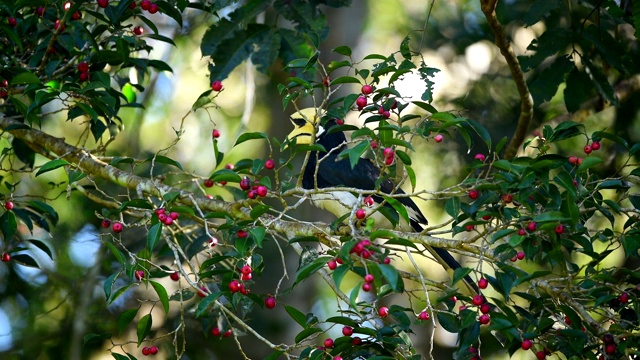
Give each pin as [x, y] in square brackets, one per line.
[299, 122]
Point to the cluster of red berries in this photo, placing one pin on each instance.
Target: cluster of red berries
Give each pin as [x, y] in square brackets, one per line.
[389, 156]
[236, 286]
[254, 190]
[217, 332]
[147, 5]
[117, 227]
[166, 218]
[361, 101]
[368, 280]
[149, 350]
[368, 202]
[83, 69]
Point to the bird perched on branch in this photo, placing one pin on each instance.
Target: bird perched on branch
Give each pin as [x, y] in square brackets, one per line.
[325, 170]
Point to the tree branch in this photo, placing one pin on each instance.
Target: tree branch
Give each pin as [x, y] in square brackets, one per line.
[526, 106]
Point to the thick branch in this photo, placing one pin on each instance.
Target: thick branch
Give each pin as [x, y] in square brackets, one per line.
[526, 106]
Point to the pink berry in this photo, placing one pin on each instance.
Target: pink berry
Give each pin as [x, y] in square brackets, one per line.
[587, 149]
[532, 226]
[540, 355]
[573, 160]
[424, 315]
[332, 264]
[262, 191]
[9, 205]
[215, 133]
[366, 287]
[383, 311]
[145, 4]
[361, 102]
[480, 157]
[328, 343]
[483, 283]
[270, 302]
[485, 308]
[369, 278]
[139, 274]
[473, 194]
[117, 227]
[360, 214]
[245, 183]
[216, 85]
[246, 269]
[146, 351]
[374, 144]
[484, 319]
[520, 255]
[522, 232]
[153, 8]
[347, 331]
[40, 11]
[478, 300]
[153, 350]
[595, 146]
[388, 152]
[559, 229]
[269, 164]
[438, 138]
[367, 89]
[526, 344]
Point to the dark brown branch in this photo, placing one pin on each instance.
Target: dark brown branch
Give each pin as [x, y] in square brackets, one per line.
[526, 106]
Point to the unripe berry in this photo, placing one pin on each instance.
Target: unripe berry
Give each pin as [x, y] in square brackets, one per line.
[216, 85]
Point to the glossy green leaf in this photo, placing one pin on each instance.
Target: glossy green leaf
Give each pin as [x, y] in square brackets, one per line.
[125, 319]
[250, 136]
[153, 236]
[8, 225]
[162, 295]
[51, 165]
[144, 327]
[296, 315]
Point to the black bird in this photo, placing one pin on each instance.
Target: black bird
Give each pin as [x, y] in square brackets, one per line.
[334, 172]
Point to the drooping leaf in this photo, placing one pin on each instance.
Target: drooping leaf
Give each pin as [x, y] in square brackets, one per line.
[144, 327]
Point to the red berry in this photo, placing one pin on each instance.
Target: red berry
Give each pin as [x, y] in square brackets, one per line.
[470, 227]
[227, 333]
[9, 205]
[175, 276]
[328, 343]
[360, 214]
[454, 299]
[168, 220]
[520, 255]
[366, 287]
[245, 183]
[3, 94]
[105, 223]
[83, 67]
[580, 161]
[153, 350]
[216, 85]
[262, 191]
[587, 149]
[485, 308]
[386, 261]
[162, 217]
[438, 138]
[424, 315]
[573, 160]
[361, 102]
[522, 232]
[624, 297]
[40, 11]
[478, 300]
[4, 83]
[567, 320]
[388, 152]
[6, 257]
[84, 76]
[117, 227]
[57, 25]
[246, 277]
[138, 30]
[270, 302]
[608, 339]
[145, 4]
[326, 81]
[486, 217]
[389, 161]
[473, 194]
[215, 133]
[480, 157]
[216, 331]
[146, 351]
[339, 121]
[234, 286]
[139, 274]
[252, 194]
[484, 319]
[242, 234]
[174, 215]
[153, 8]
[595, 146]
[526, 344]
[367, 89]
[540, 355]
[347, 331]
[383, 311]
[483, 283]
[559, 229]
[103, 3]
[369, 278]
[507, 198]
[132, 5]
[532, 226]
[610, 349]
[374, 144]
[269, 164]
[332, 264]
[12, 22]
[246, 269]
[76, 15]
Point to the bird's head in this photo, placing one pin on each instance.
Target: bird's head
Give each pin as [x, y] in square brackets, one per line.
[306, 125]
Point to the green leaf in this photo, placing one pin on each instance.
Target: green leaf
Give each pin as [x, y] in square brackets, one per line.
[342, 50]
[116, 294]
[449, 322]
[589, 162]
[578, 90]
[345, 80]
[545, 85]
[392, 276]
[8, 225]
[355, 153]
[459, 274]
[144, 326]
[234, 50]
[258, 234]
[306, 333]
[97, 338]
[482, 132]
[24, 77]
[225, 175]
[165, 160]
[204, 304]
[108, 284]
[382, 233]
[153, 236]
[339, 273]
[162, 295]
[452, 207]
[51, 165]
[296, 315]
[539, 10]
[311, 268]
[259, 210]
[125, 319]
[250, 136]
